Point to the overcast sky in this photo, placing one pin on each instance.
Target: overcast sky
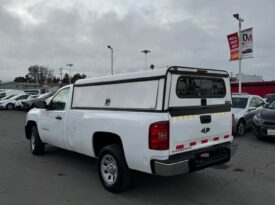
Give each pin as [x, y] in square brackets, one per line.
[178, 32]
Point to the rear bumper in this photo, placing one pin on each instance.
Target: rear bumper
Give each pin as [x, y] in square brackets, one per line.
[194, 160]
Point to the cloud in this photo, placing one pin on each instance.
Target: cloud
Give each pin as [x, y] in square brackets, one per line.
[191, 33]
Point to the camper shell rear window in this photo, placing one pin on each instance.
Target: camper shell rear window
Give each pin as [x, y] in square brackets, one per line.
[200, 87]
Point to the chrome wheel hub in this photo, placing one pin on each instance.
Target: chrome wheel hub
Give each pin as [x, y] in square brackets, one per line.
[108, 167]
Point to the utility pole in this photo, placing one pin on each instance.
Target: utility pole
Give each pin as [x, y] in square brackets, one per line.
[145, 53]
[237, 16]
[70, 66]
[112, 59]
[61, 69]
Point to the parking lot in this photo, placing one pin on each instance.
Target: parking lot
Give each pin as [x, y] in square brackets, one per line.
[63, 177]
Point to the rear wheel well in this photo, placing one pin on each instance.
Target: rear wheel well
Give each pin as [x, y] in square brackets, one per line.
[242, 120]
[102, 139]
[28, 128]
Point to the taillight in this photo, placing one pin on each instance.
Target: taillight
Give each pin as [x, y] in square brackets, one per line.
[159, 135]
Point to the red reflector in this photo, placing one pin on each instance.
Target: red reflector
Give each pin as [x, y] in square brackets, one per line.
[216, 138]
[193, 143]
[226, 136]
[180, 146]
[204, 141]
[159, 136]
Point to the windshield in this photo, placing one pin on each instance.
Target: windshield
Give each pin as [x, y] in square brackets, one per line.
[44, 95]
[32, 97]
[2, 95]
[270, 98]
[239, 102]
[272, 105]
[8, 97]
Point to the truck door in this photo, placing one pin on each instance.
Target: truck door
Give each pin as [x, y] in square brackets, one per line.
[52, 120]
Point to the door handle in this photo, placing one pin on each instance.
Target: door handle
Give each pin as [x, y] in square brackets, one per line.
[58, 117]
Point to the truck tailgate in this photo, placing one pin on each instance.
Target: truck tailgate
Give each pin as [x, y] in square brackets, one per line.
[200, 112]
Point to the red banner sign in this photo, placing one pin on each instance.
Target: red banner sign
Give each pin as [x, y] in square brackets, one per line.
[233, 40]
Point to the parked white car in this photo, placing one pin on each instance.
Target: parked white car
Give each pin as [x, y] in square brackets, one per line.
[164, 122]
[245, 107]
[10, 103]
[9, 92]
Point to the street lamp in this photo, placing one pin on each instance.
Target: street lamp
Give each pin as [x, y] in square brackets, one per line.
[112, 59]
[237, 16]
[61, 69]
[145, 53]
[70, 66]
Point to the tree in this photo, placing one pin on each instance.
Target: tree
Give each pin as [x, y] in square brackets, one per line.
[55, 80]
[77, 77]
[29, 79]
[66, 79]
[40, 74]
[20, 79]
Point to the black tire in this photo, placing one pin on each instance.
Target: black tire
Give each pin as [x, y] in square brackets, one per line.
[241, 128]
[36, 145]
[121, 181]
[10, 106]
[258, 135]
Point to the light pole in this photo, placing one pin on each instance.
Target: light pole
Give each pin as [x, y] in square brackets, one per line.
[61, 69]
[145, 53]
[70, 66]
[112, 59]
[237, 16]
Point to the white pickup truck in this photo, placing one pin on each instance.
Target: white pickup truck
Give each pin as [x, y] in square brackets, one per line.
[164, 122]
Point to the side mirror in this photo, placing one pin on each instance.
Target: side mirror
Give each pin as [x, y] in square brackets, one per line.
[40, 105]
[251, 108]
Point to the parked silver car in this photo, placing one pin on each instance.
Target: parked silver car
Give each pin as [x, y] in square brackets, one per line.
[244, 107]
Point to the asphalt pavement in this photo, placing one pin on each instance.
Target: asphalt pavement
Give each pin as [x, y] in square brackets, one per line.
[63, 177]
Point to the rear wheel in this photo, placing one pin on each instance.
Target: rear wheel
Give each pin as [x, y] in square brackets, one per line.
[10, 106]
[241, 128]
[112, 169]
[36, 145]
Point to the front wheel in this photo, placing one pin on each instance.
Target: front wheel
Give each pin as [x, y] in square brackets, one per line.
[37, 146]
[112, 169]
[10, 106]
[241, 128]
